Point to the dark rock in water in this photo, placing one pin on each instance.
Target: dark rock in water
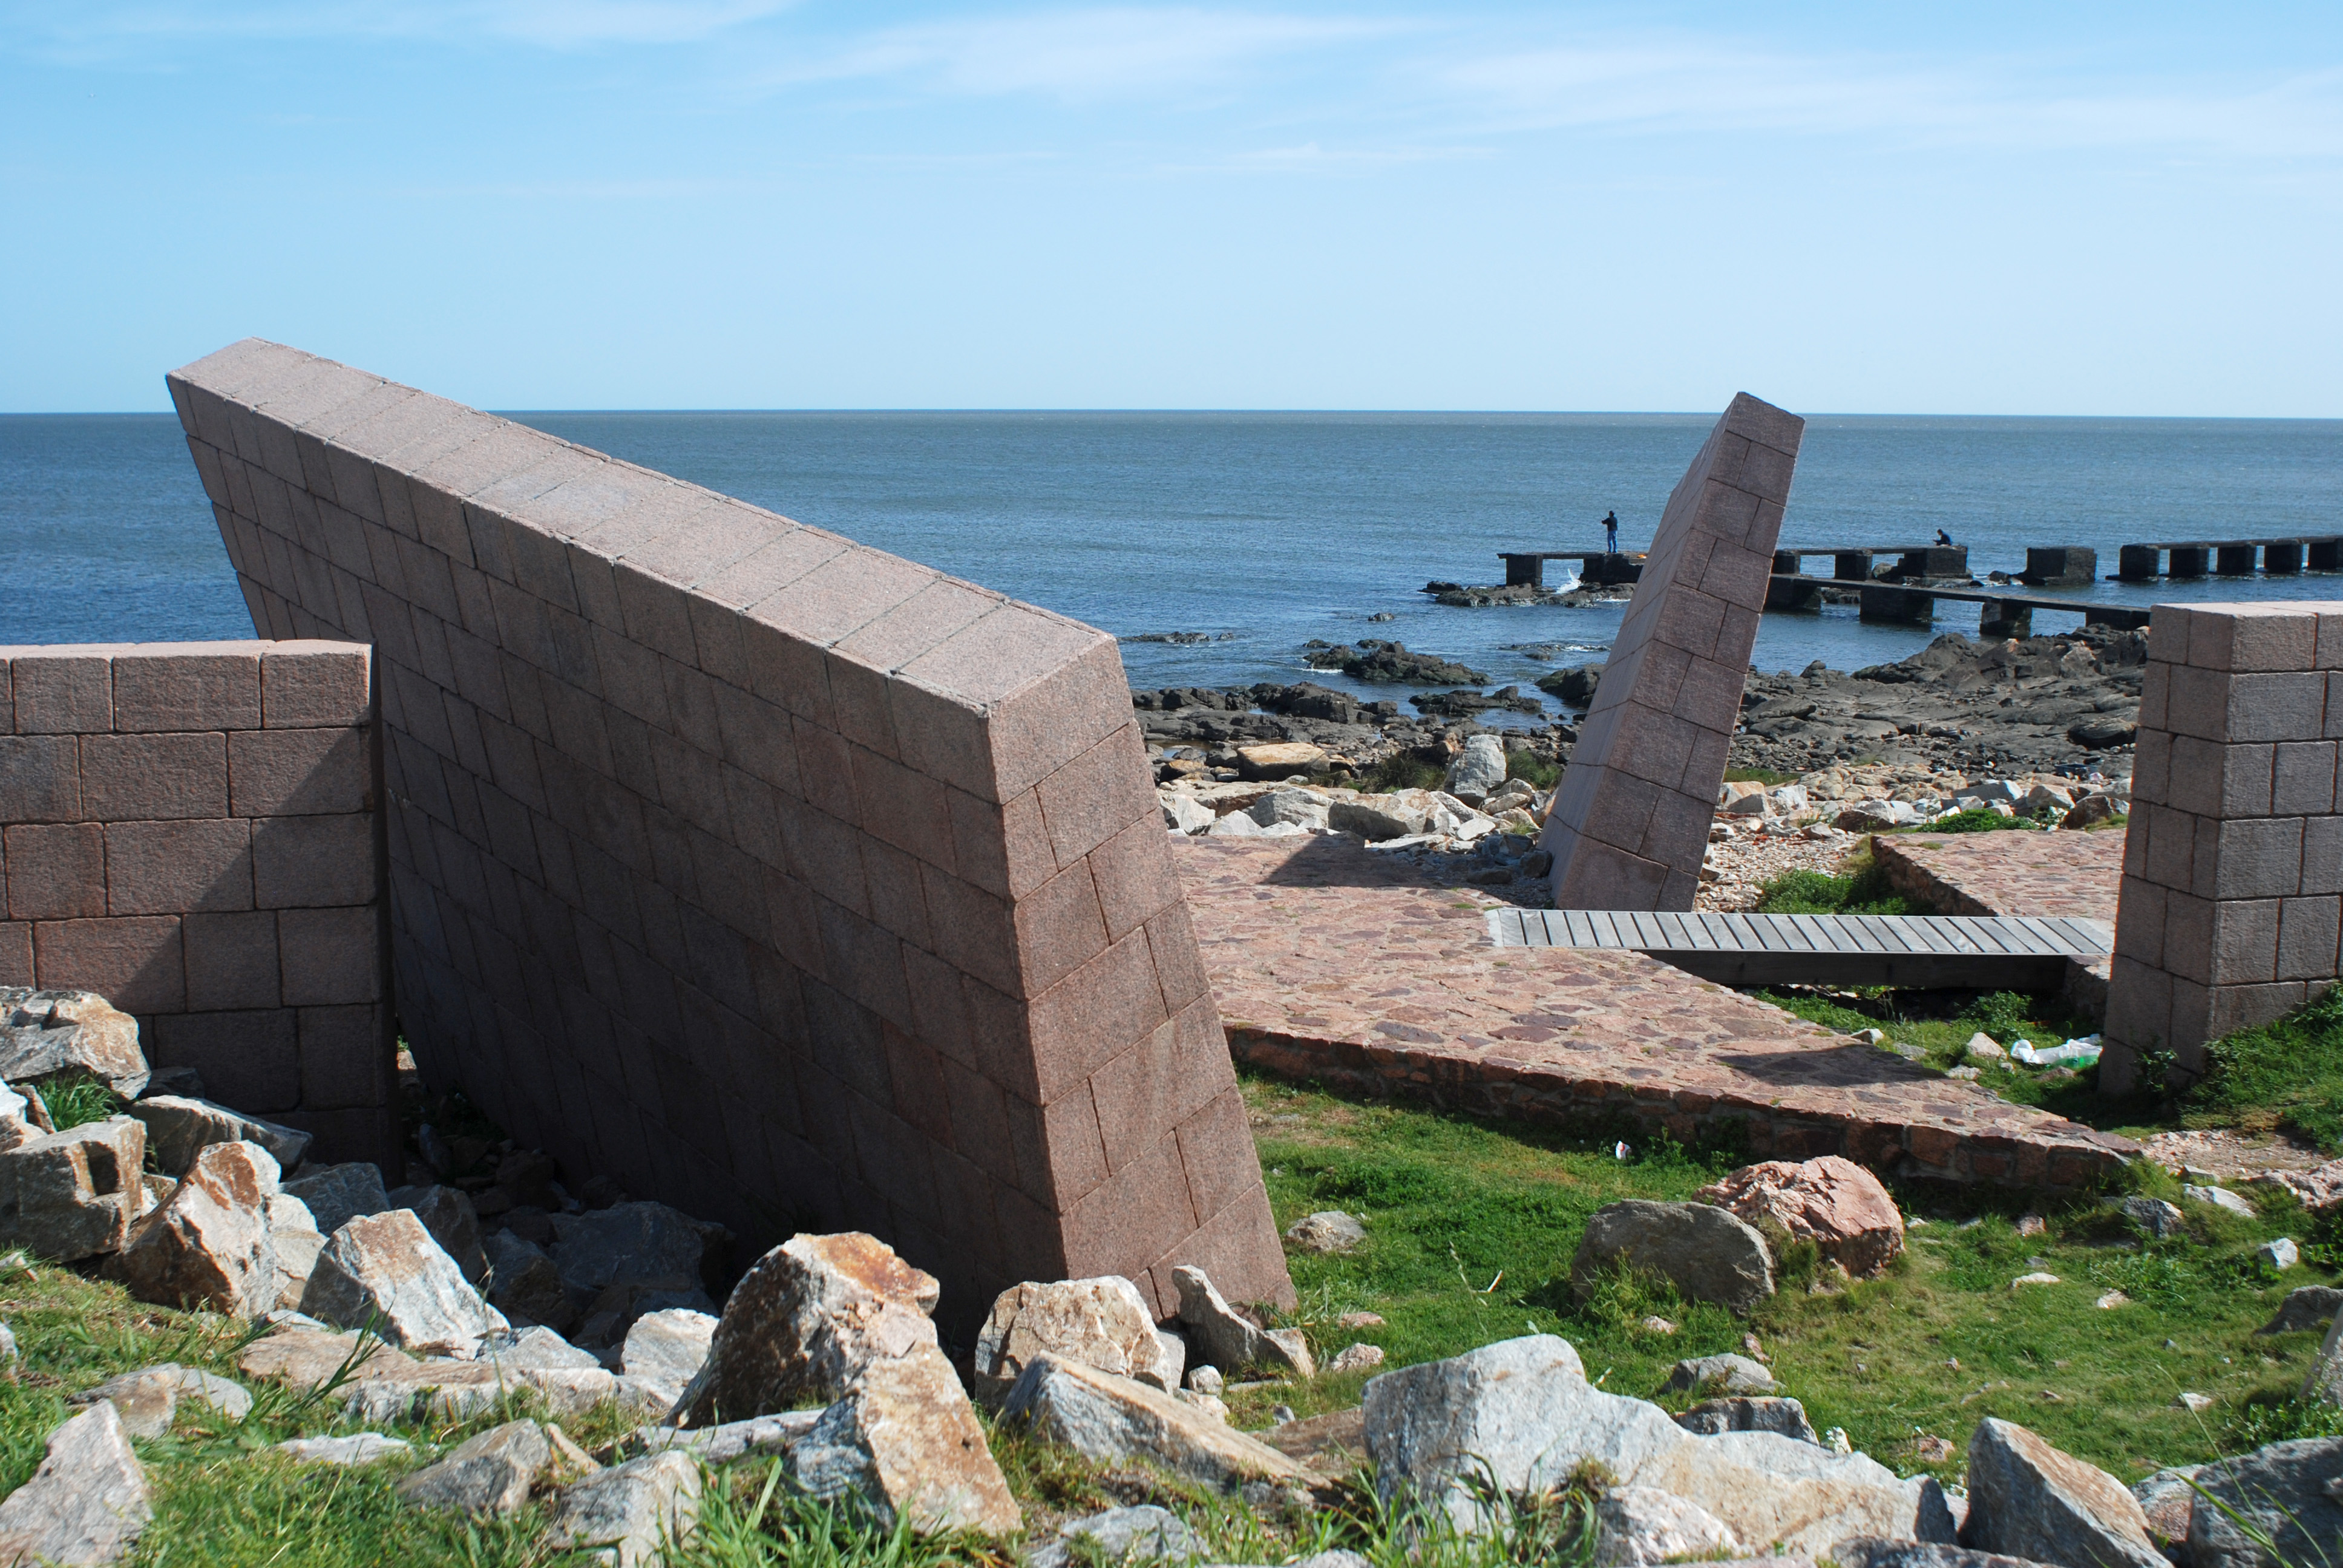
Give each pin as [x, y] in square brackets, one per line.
[1179, 639]
[1461, 704]
[1390, 662]
[1574, 685]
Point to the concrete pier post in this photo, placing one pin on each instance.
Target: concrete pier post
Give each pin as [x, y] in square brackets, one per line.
[1851, 565]
[2234, 560]
[2284, 557]
[1895, 606]
[2326, 555]
[2191, 560]
[2061, 565]
[1523, 570]
[2004, 618]
[2139, 563]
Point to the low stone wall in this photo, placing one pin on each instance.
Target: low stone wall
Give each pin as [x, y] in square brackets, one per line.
[189, 829]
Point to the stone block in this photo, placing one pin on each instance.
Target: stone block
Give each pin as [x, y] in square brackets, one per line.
[154, 776]
[2235, 638]
[329, 956]
[250, 1060]
[2302, 779]
[299, 772]
[300, 863]
[231, 961]
[2244, 942]
[163, 687]
[2254, 858]
[137, 964]
[61, 692]
[2276, 707]
[40, 779]
[56, 872]
[170, 867]
[2308, 938]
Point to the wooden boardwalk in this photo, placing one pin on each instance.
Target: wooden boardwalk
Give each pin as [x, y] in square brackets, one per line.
[1982, 952]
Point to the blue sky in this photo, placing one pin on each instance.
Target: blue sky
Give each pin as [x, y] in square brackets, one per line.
[1996, 208]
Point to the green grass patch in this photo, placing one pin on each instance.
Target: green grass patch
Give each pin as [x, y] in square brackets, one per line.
[1979, 819]
[1471, 1225]
[1765, 776]
[76, 1100]
[1865, 892]
[2284, 1075]
[1532, 770]
[1402, 771]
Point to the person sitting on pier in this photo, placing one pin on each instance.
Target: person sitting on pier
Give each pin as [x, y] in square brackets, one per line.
[1611, 533]
[1943, 537]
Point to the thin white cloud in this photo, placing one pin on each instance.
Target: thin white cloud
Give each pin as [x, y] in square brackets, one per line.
[1082, 54]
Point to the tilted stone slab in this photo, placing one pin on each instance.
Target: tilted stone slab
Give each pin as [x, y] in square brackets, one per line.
[760, 870]
[1630, 819]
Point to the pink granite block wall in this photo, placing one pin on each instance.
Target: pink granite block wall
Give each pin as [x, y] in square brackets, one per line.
[778, 878]
[2232, 898]
[1630, 820]
[189, 829]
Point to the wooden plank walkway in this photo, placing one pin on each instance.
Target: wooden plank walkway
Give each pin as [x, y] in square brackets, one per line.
[1983, 952]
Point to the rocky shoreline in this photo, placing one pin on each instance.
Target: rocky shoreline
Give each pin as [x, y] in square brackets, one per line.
[2065, 704]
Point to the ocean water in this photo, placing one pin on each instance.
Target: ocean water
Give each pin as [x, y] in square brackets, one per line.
[1261, 530]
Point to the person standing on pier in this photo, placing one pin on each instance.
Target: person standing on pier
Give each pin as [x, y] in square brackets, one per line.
[1611, 533]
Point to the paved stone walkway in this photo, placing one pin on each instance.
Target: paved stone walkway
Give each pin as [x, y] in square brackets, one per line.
[2009, 873]
[1333, 963]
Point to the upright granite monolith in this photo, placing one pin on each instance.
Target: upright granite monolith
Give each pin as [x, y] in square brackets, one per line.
[1630, 820]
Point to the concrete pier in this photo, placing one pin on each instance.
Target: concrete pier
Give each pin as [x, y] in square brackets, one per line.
[2060, 565]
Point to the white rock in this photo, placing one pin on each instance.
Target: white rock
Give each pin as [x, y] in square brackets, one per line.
[723, 1443]
[491, 1473]
[447, 1213]
[905, 1437]
[1235, 825]
[1145, 1533]
[71, 1195]
[147, 1400]
[293, 1233]
[177, 1127]
[1983, 1047]
[1479, 770]
[622, 1516]
[1184, 813]
[1637, 1525]
[2033, 1278]
[1788, 799]
[1355, 1358]
[2193, 1402]
[357, 1448]
[1228, 1340]
[1101, 1323]
[1328, 1231]
[2282, 1255]
[388, 1264]
[813, 1315]
[667, 1349]
[1110, 1418]
[1295, 808]
[2220, 1198]
[337, 1194]
[46, 1033]
[89, 1502]
[210, 1245]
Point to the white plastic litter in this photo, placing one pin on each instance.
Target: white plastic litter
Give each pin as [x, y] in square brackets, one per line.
[2079, 1052]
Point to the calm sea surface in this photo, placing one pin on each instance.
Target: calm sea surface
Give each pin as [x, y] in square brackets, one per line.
[1264, 530]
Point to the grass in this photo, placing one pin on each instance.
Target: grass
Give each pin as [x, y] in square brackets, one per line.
[1532, 770]
[1471, 1226]
[1979, 819]
[2286, 1075]
[1865, 892]
[77, 1098]
[1765, 776]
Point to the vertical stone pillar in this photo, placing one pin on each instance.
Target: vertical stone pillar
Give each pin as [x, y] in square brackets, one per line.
[1630, 820]
[2233, 865]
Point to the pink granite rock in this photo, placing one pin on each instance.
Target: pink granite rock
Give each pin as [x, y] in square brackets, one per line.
[1834, 1202]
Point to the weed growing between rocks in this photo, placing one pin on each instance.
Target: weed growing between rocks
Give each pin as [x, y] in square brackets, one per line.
[76, 1100]
[754, 1516]
[1865, 892]
[1532, 770]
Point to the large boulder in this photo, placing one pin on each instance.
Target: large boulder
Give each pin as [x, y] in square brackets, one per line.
[148, 1399]
[524, 1285]
[635, 1241]
[665, 1350]
[210, 1245]
[2027, 1498]
[1328, 1231]
[2167, 1501]
[1639, 1525]
[70, 1195]
[1776, 1414]
[50, 1033]
[488, 1475]
[1724, 1375]
[1707, 1253]
[807, 1320]
[293, 1232]
[1227, 1338]
[1835, 1203]
[2278, 1494]
[337, 1194]
[1102, 1323]
[1478, 771]
[1144, 1534]
[387, 1268]
[906, 1438]
[2324, 1381]
[2305, 1307]
[88, 1501]
[1114, 1420]
[625, 1515]
[447, 1213]
[1375, 817]
[1522, 1412]
[177, 1128]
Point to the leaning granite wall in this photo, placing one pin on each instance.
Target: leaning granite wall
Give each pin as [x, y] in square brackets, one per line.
[1629, 821]
[781, 879]
[189, 829]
